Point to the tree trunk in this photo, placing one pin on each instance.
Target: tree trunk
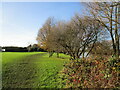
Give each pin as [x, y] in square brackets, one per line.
[83, 54]
[57, 54]
[50, 53]
[119, 28]
[111, 32]
[116, 33]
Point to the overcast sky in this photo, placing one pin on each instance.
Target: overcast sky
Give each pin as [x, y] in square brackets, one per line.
[22, 20]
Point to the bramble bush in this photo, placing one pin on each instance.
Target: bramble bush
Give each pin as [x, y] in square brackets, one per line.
[97, 72]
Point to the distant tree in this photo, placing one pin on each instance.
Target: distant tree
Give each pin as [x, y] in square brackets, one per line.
[34, 48]
[51, 41]
[14, 49]
[29, 48]
[44, 32]
[102, 48]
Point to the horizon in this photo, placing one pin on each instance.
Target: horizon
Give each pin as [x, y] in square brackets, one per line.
[22, 20]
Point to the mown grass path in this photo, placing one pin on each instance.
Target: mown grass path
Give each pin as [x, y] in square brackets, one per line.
[31, 71]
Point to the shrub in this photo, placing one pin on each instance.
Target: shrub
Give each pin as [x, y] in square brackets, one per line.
[90, 73]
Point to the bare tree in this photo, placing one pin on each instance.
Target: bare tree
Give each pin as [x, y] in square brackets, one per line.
[107, 14]
[44, 33]
[102, 48]
[75, 37]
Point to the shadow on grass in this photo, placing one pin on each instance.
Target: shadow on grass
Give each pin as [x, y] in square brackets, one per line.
[20, 74]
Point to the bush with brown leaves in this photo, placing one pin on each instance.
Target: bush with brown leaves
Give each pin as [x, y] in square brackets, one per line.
[91, 73]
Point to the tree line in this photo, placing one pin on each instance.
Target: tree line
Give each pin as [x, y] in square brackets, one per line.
[30, 48]
[79, 36]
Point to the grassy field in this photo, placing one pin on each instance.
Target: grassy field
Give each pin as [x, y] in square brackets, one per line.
[31, 70]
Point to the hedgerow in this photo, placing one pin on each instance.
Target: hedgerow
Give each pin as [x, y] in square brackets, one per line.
[91, 73]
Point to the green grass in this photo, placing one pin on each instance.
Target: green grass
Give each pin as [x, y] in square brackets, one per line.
[8, 57]
[31, 70]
